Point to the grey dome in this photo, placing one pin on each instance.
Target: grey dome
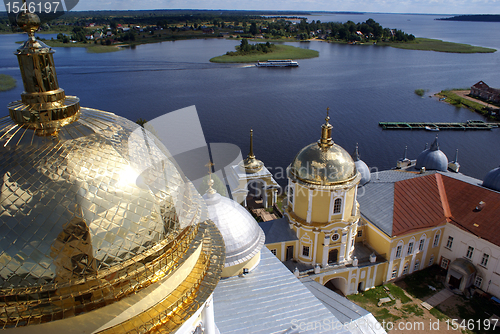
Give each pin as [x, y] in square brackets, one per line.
[432, 158]
[492, 179]
[242, 235]
[362, 168]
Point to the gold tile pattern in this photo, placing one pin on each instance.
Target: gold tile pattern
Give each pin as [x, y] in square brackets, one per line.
[87, 216]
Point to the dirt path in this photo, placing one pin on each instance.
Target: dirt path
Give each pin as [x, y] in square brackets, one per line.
[464, 93]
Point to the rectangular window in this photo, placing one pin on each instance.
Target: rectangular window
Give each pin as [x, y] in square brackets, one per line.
[484, 260]
[394, 273]
[360, 233]
[273, 251]
[305, 251]
[410, 248]
[470, 251]
[337, 205]
[436, 240]
[444, 263]
[478, 281]
[398, 252]
[449, 243]
[421, 245]
[405, 269]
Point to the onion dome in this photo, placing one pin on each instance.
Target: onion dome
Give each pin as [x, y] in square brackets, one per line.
[324, 162]
[362, 168]
[242, 236]
[432, 158]
[492, 179]
[251, 164]
[94, 215]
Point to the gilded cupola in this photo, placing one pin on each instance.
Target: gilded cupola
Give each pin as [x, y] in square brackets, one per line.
[324, 162]
[100, 233]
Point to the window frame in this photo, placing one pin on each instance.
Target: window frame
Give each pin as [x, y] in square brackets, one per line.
[337, 205]
[421, 244]
[416, 267]
[410, 247]
[449, 243]
[445, 263]
[399, 250]
[306, 249]
[484, 263]
[437, 237]
[480, 279]
[470, 253]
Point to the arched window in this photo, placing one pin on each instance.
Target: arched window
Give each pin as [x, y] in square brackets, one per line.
[405, 269]
[394, 272]
[417, 265]
[337, 205]
[436, 239]
[431, 260]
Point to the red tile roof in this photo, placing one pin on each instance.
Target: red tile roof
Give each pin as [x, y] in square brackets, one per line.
[418, 204]
[435, 199]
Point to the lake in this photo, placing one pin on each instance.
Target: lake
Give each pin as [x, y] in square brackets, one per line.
[362, 85]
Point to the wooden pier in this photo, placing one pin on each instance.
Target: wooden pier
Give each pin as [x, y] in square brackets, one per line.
[469, 125]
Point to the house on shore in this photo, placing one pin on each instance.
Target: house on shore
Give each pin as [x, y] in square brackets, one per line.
[483, 91]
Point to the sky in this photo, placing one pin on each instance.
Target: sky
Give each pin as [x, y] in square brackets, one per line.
[377, 6]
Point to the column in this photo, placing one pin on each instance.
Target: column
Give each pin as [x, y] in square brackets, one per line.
[315, 247]
[207, 316]
[326, 248]
[309, 206]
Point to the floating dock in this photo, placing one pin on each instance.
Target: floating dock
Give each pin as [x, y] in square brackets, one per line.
[469, 125]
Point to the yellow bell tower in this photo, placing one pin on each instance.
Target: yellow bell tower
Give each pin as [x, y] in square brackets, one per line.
[321, 206]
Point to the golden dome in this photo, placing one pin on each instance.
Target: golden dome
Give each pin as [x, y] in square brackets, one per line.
[323, 163]
[251, 164]
[93, 215]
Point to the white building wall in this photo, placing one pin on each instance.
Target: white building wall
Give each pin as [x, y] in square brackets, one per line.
[461, 241]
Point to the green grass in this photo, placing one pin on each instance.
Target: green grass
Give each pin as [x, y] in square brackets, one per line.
[438, 314]
[428, 44]
[103, 48]
[398, 293]
[413, 309]
[418, 282]
[6, 82]
[459, 102]
[420, 92]
[384, 314]
[280, 52]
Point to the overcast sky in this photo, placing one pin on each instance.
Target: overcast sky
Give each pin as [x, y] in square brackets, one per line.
[382, 6]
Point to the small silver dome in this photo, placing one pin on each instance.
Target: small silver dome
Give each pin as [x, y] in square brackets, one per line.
[242, 235]
[362, 168]
[432, 158]
[492, 179]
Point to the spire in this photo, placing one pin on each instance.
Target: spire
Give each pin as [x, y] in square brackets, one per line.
[251, 155]
[326, 132]
[43, 105]
[250, 164]
[456, 156]
[211, 190]
[356, 153]
[435, 144]
[406, 151]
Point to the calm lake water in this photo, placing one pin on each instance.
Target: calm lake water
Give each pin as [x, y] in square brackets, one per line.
[362, 85]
